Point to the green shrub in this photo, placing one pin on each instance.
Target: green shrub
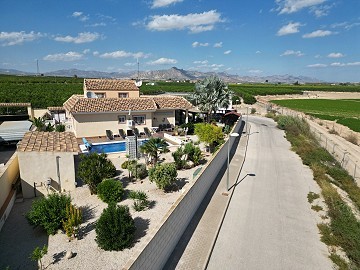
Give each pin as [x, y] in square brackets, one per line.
[164, 175]
[49, 212]
[110, 190]
[193, 153]
[60, 128]
[38, 254]
[312, 196]
[190, 127]
[140, 198]
[115, 228]
[179, 160]
[138, 170]
[93, 168]
[253, 110]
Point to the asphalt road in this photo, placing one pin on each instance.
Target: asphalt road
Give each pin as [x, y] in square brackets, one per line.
[269, 223]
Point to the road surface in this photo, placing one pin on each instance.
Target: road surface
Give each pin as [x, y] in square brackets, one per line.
[269, 223]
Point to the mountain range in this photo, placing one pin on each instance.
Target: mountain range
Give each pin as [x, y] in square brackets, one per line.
[174, 74]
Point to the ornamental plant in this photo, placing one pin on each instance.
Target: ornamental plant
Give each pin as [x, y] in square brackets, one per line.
[164, 175]
[73, 220]
[93, 168]
[140, 198]
[49, 212]
[110, 190]
[115, 228]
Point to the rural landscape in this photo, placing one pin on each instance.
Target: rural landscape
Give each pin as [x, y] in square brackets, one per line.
[177, 135]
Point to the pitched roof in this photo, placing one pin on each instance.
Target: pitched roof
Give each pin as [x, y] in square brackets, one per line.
[79, 104]
[110, 85]
[76, 104]
[15, 104]
[39, 141]
[56, 108]
[172, 102]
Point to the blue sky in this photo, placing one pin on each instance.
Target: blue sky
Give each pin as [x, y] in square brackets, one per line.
[317, 38]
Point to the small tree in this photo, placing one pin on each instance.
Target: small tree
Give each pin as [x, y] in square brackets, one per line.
[164, 175]
[193, 153]
[93, 168]
[38, 254]
[73, 220]
[179, 159]
[138, 170]
[115, 228]
[49, 212]
[60, 128]
[110, 190]
[209, 134]
[153, 147]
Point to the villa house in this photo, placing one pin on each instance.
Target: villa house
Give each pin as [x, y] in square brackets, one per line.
[116, 104]
[108, 88]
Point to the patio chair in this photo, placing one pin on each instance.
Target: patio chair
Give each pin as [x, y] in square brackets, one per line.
[147, 132]
[168, 127]
[122, 133]
[136, 132]
[109, 134]
[162, 127]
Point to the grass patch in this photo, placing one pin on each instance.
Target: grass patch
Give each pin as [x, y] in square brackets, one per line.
[316, 208]
[312, 196]
[339, 261]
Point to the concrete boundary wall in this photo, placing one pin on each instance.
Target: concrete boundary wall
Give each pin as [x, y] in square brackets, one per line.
[8, 176]
[164, 238]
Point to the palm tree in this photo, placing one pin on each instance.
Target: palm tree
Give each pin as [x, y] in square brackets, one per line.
[153, 147]
[210, 95]
[39, 123]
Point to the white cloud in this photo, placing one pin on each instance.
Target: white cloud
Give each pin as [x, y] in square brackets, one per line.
[85, 37]
[337, 64]
[95, 53]
[255, 71]
[290, 28]
[316, 65]
[67, 57]
[199, 44]
[320, 11]
[164, 3]
[318, 33]
[216, 65]
[345, 25]
[218, 45]
[162, 61]
[96, 24]
[130, 64]
[335, 55]
[204, 62]
[292, 52]
[258, 52]
[292, 6]
[16, 38]
[86, 51]
[123, 54]
[195, 22]
[227, 52]
[80, 16]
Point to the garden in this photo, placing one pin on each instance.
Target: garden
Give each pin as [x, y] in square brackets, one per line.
[118, 203]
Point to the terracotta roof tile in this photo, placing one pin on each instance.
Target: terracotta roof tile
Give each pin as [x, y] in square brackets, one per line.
[172, 102]
[38, 141]
[15, 104]
[110, 84]
[55, 108]
[76, 104]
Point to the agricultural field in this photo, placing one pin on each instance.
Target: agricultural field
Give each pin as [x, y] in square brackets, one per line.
[343, 111]
[43, 91]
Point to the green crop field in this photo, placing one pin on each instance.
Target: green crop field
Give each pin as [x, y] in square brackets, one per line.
[343, 111]
[43, 91]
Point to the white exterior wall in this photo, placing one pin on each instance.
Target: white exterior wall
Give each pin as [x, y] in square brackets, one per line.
[36, 167]
[93, 125]
[164, 117]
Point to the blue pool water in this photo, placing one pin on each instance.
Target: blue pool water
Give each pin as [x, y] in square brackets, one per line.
[113, 147]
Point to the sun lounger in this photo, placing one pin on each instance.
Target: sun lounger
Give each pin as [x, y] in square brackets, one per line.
[147, 131]
[122, 133]
[86, 143]
[109, 134]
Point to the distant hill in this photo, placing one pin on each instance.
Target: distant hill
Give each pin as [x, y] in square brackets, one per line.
[173, 73]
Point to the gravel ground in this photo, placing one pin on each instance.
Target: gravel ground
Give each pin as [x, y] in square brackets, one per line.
[87, 255]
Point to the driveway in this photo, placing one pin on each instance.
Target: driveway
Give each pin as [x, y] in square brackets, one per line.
[269, 223]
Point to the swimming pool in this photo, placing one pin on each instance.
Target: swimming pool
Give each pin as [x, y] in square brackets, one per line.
[108, 147]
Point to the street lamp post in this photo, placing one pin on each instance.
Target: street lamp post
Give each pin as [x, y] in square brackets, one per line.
[228, 158]
[247, 118]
